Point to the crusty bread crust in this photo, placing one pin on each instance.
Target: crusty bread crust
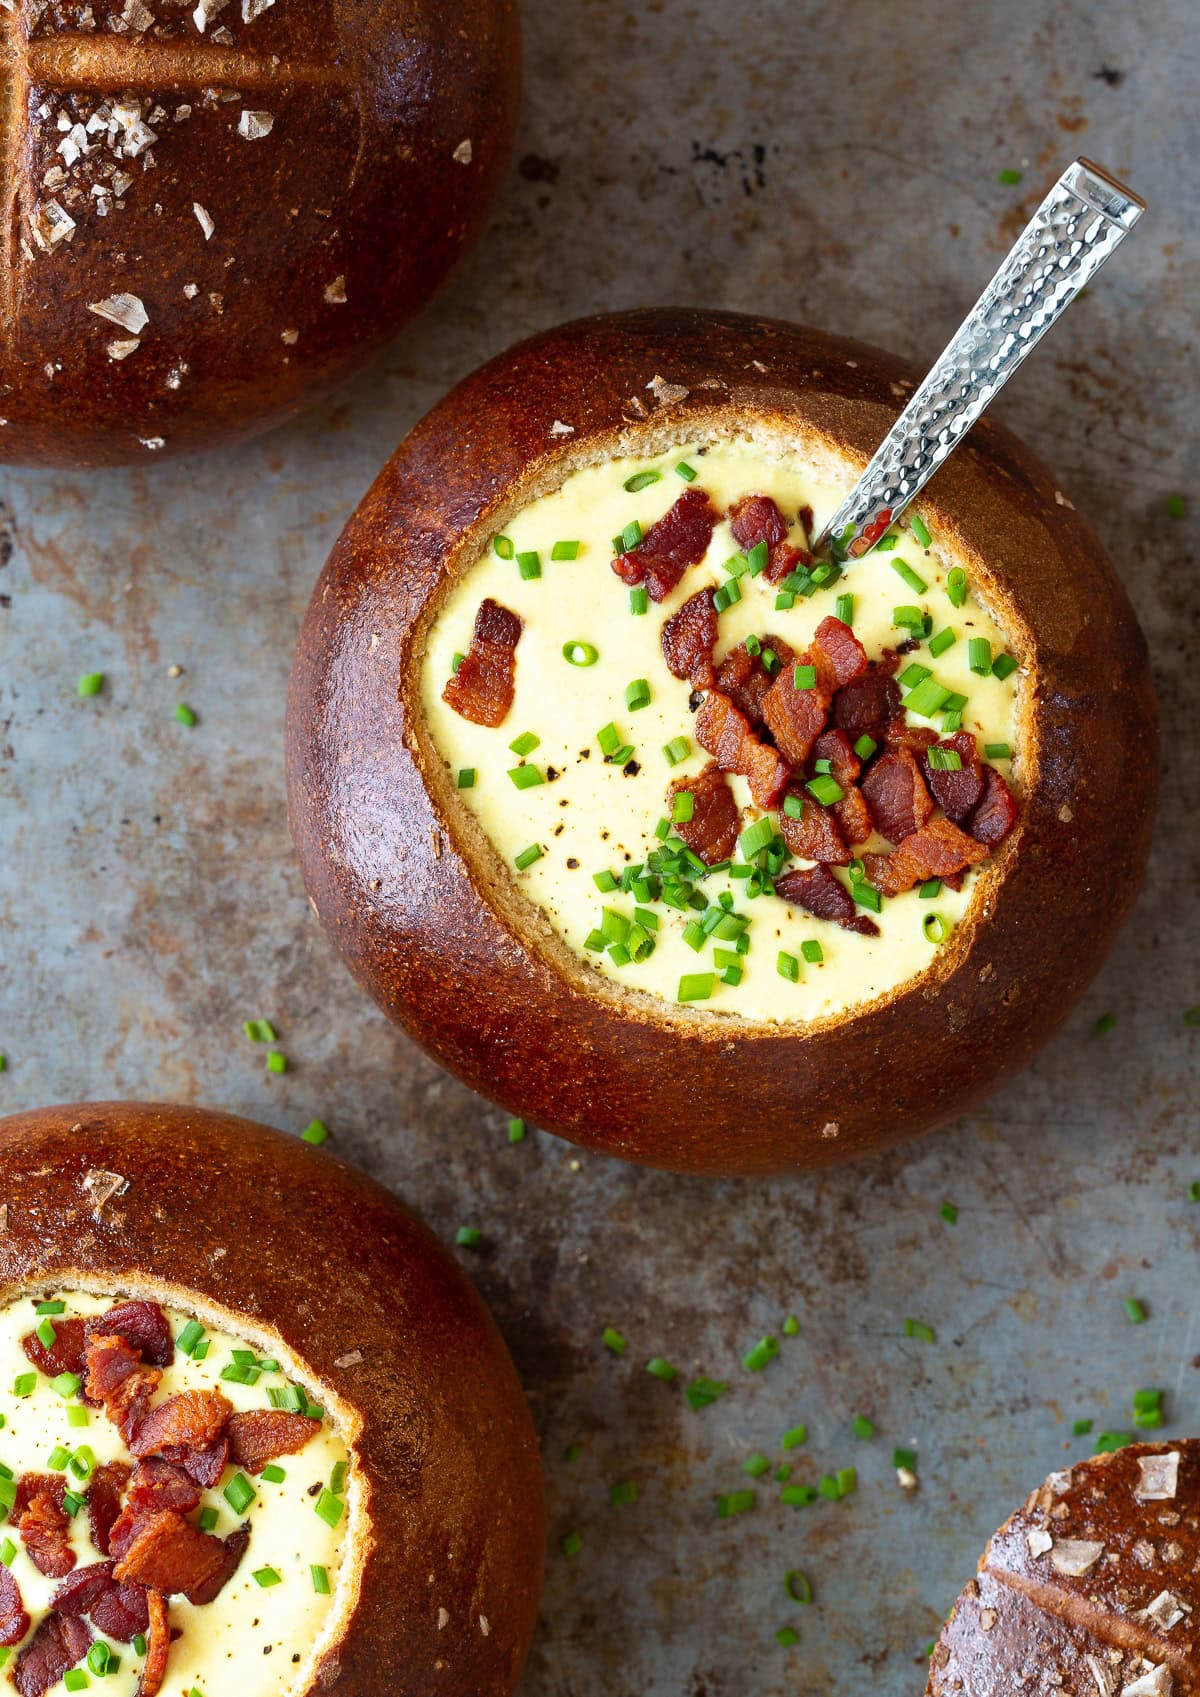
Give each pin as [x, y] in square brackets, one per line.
[283, 1245]
[436, 929]
[275, 194]
[1090, 1589]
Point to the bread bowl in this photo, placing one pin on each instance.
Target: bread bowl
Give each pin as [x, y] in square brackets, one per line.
[455, 929]
[1089, 1589]
[219, 207]
[366, 1516]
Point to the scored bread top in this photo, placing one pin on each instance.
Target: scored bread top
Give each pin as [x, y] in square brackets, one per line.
[1091, 1589]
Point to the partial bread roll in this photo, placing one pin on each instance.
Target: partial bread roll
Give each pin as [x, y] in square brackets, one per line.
[1091, 1589]
[217, 207]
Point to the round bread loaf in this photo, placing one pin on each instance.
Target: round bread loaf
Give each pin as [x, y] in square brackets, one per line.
[336, 1287]
[436, 922]
[1090, 1589]
[218, 207]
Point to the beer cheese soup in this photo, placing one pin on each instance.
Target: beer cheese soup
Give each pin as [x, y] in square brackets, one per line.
[174, 1506]
[730, 775]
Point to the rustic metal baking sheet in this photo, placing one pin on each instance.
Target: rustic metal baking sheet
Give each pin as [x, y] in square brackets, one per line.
[836, 163]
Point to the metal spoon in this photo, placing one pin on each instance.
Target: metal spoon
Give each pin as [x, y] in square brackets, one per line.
[1065, 243]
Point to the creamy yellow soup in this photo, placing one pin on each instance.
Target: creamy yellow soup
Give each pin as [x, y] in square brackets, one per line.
[591, 816]
[254, 1640]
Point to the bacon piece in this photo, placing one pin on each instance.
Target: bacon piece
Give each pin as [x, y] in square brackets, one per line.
[755, 519]
[117, 1378]
[14, 1622]
[144, 1327]
[711, 832]
[59, 1642]
[482, 688]
[156, 1486]
[688, 639]
[938, 850]
[234, 1549]
[43, 1523]
[795, 717]
[996, 814]
[898, 733]
[104, 1500]
[673, 543]
[723, 731]
[743, 677]
[851, 812]
[259, 1435]
[167, 1553]
[816, 834]
[895, 793]
[203, 1467]
[820, 893]
[194, 1419]
[956, 793]
[837, 654]
[121, 1612]
[65, 1355]
[158, 1646]
[864, 705]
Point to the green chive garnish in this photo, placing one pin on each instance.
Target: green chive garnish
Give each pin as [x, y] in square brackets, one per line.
[979, 655]
[277, 1061]
[862, 1427]
[735, 1502]
[1176, 507]
[786, 1637]
[330, 1508]
[944, 639]
[1134, 1310]
[502, 547]
[761, 1355]
[1009, 177]
[184, 714]
[91, 683]
[516, 1131]
[527, 857]
[637, 694]
[259, 1030]
[66, 1384]
[1003, 666]
[1081, 1428]
[266, 1577]
[949, 1213]
[525, 743]
[788, 966]
[1105, 1024]
[525, 777]
[580, 654]
[756, 1465]
[676, 750]
[791, 1327]
[919, 1330]
[919, 529]
[797, 1586]
[683, 804]
[614, 1340]
[687, 472]
[805, 677]
[824, 789]
[239, 1493]
[466, 777]
[844, 607]
[565, 551]
[529, 565]
[46, 1334]
[468, 1237]
[208, 1518]
[572, 1544]
[956, 586]
[320, 1579]
[625, 1491]
[702, 1392]
[794, 1437]
[905, 1458]
[639, 601]
[662, 1369]
[273, 1475]
[696, 986]
[913, 579]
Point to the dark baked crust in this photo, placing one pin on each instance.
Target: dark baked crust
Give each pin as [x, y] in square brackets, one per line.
[289, 1237]
[358, 179]
[1026, 1625]
[427, 931]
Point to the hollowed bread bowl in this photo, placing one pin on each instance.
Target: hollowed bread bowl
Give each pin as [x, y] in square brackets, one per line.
[436, 920]
[385, 1530]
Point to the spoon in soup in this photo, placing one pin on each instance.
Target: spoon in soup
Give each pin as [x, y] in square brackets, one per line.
[1080, 222]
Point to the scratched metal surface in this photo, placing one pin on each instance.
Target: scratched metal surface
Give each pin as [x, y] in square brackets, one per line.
[736, 156]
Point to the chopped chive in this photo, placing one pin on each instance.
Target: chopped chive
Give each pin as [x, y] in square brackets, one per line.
[887, 544]
[315, 1132]
[91, 683]
[529, 564]
[468, 1237]
[997, 750]
[979, 655]
[913, 579]
[824, 789]
[794, 1437]
[793, 806]
[239, 1493]
[73, 1502]
[565, 551]
[604, 881]
[791, 1327]
[844, 608]
[273, 1475]
[926, 698]
[612, 1339]
[944, 639]
[637, 694]
[580, 653]
[847, 1481]
[797, 1586]
[1107, 1442]
[761, 1354]
[7, 1552]
[919, 529]
[784, 600]
[502, 547]
[786, 1637]
[805, 677]
[1009, 177]
[1003, 666]
[259, 1030]
[46, 1334]
[525, 743]
[702, 1392]
[798, 1496]
[58, 1458]
[277, 1061]
[139, 1644]
[687, 472]
[905, 1458]
[756, 837]
[208, 1519]
[956, 586]
[24, 1383]
[631, 535]
[456, 661]
[912, 675]
[756, 558]
[516, 1131]
[910, 618]
[572, 1544]
[865, 746]
[82, 1464]
[526, 777]
[329, 1508]
[919, 1330]
[1134, 1310]
[828, 1488]
[944, 759]
[1105, 1024]
[320, 1579]
[1081, 1428]
[641, 480]
[625, 1491]
[639, 601]
[662, 1369]
[75, 1679]
[683, 804]
[862, 1427]
[77, 1415]
[527, 857]
[1176, 507]
[676, 750]
[1194, 1191]
[949, 1213]
[812, 951]
[756, 1465]
[696, 986]
[184, 714]
[735, 1502]
[266, 1577]
[466, 777]
[788, 967]
[66, 1384]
